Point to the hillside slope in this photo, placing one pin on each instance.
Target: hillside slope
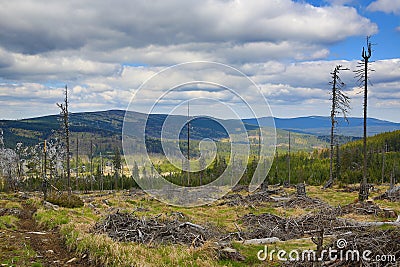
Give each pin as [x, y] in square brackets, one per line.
[320, 125]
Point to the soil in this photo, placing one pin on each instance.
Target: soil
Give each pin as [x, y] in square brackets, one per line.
[48, 246]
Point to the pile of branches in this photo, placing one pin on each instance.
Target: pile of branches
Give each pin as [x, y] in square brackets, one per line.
[362, 208]
[384, 246]
[384, 243]
[249, 200]
[350, 189]
[124, 227]
[12, 211]
[305, 202]
[240, 187]
[268, 225]
[391, 194]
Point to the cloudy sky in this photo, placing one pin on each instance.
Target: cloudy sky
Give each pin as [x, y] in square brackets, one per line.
[104, 51]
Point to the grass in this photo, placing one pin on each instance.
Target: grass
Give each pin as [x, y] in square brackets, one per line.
[21, 256]
[8, 222]
[333, 196]
[14, 249]
[65, 200]
[106, 252]
[10, 204]
[52, 218]
[75, 225]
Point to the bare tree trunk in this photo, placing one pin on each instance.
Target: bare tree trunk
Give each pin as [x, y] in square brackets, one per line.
[188, 145]
[340, 104]
[383, 163]
[67, 141]
[91, 165]
[337, 173]
[77, 164]
[45, 171]
[289, 162]
[330, 182]
[363, 194]
[65, 116]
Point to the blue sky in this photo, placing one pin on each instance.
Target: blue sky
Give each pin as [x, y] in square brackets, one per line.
[105, 53]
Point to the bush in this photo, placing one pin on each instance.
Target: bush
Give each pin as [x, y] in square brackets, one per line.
[65, 200]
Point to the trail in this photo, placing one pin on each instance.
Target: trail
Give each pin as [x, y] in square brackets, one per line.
[48, 244]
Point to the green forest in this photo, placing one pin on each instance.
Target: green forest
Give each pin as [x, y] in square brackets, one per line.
[108, 171]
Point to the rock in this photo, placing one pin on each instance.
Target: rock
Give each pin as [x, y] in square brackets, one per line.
[231, 254]
[50, 206]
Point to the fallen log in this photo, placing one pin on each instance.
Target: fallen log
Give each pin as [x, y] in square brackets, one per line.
[192, 225]
[37, 233]
[280, 198]
[395, 223]
[261, 241]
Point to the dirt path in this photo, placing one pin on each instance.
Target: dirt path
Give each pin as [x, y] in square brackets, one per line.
[31, 245]
[48, 245]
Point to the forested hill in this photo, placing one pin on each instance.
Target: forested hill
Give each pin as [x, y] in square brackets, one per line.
[389, 141]
[321, 125]
[104, 128]
[382, 160]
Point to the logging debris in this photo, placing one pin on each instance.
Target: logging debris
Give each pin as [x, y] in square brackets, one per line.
[305, 202]
[249, 200]
[124, 227]
[363, 208]
[392, 194]
[268, 225]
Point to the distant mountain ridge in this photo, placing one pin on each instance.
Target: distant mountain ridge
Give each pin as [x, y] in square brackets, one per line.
[107, 125]
[320, 125]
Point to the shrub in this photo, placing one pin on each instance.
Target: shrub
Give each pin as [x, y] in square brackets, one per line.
[65, 200]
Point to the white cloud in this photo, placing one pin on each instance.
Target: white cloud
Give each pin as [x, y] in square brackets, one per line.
[91, 47]
[132, 31]
[387, 6]
[303, 85]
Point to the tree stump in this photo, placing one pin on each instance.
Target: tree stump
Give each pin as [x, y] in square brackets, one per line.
[389, 213]
[301, 190]
[364, 192]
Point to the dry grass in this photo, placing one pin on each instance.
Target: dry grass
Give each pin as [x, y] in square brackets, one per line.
[75, 225]
[106, 252]
[10, 204]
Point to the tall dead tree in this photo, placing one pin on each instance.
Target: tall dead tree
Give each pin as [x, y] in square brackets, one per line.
[1, 139]
[91, 165]
[383, 162]
[340, 105]
[289, 162]
[188, 143]
[362, 75]
[117, 162]
[77, 164]
[65, 122]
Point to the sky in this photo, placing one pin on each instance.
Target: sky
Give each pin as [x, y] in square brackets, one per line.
[105, 52]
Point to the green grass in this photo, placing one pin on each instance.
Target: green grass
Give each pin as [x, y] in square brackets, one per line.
[8, 222]
[332, 196]
[75, 225]
[106, 252]
[65, 200]
[8, 204]
[52, 218]
[13, 252]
